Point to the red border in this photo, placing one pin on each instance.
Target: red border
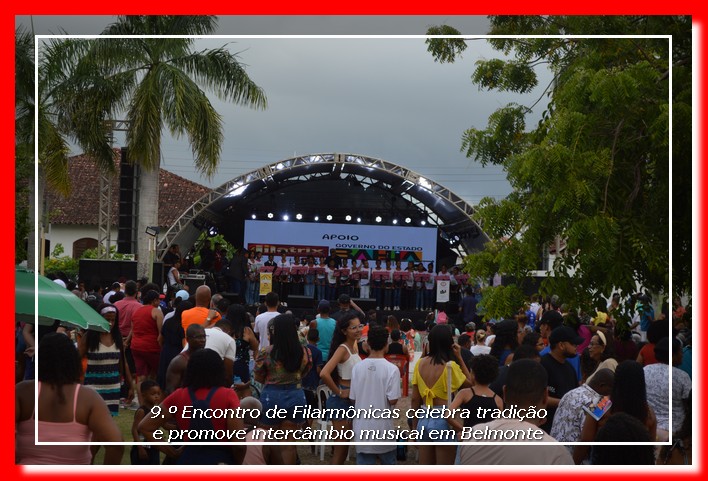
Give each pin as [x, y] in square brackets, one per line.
[316, 7]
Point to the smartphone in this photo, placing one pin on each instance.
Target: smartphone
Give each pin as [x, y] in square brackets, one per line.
[596, 411]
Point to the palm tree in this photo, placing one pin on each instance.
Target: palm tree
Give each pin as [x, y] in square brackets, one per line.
[157, 83]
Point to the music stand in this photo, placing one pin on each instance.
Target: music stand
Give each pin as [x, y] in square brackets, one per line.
[266, 269]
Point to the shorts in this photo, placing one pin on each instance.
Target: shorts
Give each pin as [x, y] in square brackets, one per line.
[338, 403]
[386, 458]
[146, 363]
[284, 397]
[437, 425]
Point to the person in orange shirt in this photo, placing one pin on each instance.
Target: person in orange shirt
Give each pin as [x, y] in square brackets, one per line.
[201, 314]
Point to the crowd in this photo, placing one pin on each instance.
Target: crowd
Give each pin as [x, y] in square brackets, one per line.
[547, 373]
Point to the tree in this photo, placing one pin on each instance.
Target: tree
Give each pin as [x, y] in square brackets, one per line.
[157, 83]
[594, 172]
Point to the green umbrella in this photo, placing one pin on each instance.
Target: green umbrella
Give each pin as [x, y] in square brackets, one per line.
[54, 302]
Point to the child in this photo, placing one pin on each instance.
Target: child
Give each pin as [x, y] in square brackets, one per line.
[257, 454]
[312, 379]
[152, 396]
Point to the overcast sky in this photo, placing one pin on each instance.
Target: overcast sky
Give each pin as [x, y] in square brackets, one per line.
[384, 98]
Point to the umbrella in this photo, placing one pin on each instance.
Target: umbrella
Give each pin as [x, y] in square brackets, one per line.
[55, 302]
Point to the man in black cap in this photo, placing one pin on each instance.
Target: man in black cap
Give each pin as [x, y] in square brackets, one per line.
[345, 304]
[561, 375]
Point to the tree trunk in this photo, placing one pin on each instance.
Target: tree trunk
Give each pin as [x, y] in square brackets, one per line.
[148, 198]
[34, 234]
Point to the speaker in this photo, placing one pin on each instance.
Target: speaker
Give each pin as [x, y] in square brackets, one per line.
[303, 302]
[106, 272]
[365, 304]
[158, 273]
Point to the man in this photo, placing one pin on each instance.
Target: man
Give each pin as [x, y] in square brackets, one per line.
[465, 342]
[345, 304]
[115, 289]
[570, 416]
[196, 339]
[325, 326]
[526, 387]
[375, 384]
[206, 256]
[549, 321]
[219, 338]
[524, 351]
[174, 281]
[171, 256]
[200, 314]
[126, 307]
[238, 269]
[561, 374]
[260, 325]
[468, 306]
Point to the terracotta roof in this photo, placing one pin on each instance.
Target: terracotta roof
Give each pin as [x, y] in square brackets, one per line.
[81, 207]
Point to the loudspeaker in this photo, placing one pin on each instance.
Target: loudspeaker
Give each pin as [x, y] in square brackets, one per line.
[106, 272]
[304, 302]
[158, 273]
[365, 304]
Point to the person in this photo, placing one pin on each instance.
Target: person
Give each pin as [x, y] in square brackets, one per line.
[246, 342]
[655, 332]
[115, 289]
[196, 339]
[396, 346]
[281, 367]
[524, 351]
[375, 384]
[257, 454]
[657, 380]
[629, 431]
[680, 452]
[201, 314]
[480, 347]
[345, 305]
[126, 308]
[412, 336]
[468, 306]
[326, 326]
[260, 327]
[479, 398]
[238, 271]
[65, 411]
[145, 454]
[206, 256]
[219, 338]
[526, 386]
[505, 342]
[601, 351]
[172, 340]
[365, 280]
[625, 347]
[628, 396]
[174, 281]
[106, 364]
[202, 389]
[431, 387]
[312, 378]
[534, 339]
[145, 338]
[570, 416]
[337, 375]
[561, 375]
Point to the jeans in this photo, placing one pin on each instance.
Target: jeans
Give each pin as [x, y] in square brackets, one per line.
[370, 458]
[286, 397]
[397, 297]
[419, 297]
[321, 292]
[364, 291]
[387, 298]
[236, 285]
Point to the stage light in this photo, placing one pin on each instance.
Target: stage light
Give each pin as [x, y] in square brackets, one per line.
[348, 218]
[408, 220]
[378, 218]
[317, 218]
[270, 215]
[422, 222]
[395, 221]
[286, 217]
[253, 216]
[358, 219]
[329, 217]
[298, 216]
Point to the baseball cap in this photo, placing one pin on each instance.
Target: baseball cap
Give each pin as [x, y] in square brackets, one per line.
[553, 318]
[182, 294]
[344, 299]
[565, 334]
[324, 304]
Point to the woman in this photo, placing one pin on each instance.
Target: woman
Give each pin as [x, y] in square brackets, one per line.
[246, 342]
[629, 395]
[172, 340]
[480, 348]
[485, 369]
[145, 338]
[431, 388]
[203, 389]
[106, 363]
[66, 411]
[337, 373]
[281, 367]
[392, 324]
[505, 342]
[656, 331]
[602, 352]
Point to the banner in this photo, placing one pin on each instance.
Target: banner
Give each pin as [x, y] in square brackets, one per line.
[266, 283]
[443, 291]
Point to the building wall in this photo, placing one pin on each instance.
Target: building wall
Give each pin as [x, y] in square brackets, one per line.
[66, 235]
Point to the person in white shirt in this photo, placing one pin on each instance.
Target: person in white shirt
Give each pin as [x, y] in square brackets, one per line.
[375, 384]
[260, 325]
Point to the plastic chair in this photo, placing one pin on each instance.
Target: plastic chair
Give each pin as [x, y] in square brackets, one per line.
[322, 393]
[401, 362]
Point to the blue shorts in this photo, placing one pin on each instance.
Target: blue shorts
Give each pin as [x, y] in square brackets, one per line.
[442, 430]
[336, 402]
[283, 397]
[387, 458]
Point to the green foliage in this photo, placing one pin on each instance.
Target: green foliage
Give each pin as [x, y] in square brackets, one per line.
[96, 253]
[501, 302]
[594, 172]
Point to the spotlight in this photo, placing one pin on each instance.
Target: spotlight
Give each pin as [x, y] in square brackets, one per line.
[348, 218]
[408, 220]
[358, 219]
[378, 218]
[317, 218]
[395, 221]
[270, 215]
[253, 216]
[329, 217]
[422, 222]
[286, 217]
[298, 216]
